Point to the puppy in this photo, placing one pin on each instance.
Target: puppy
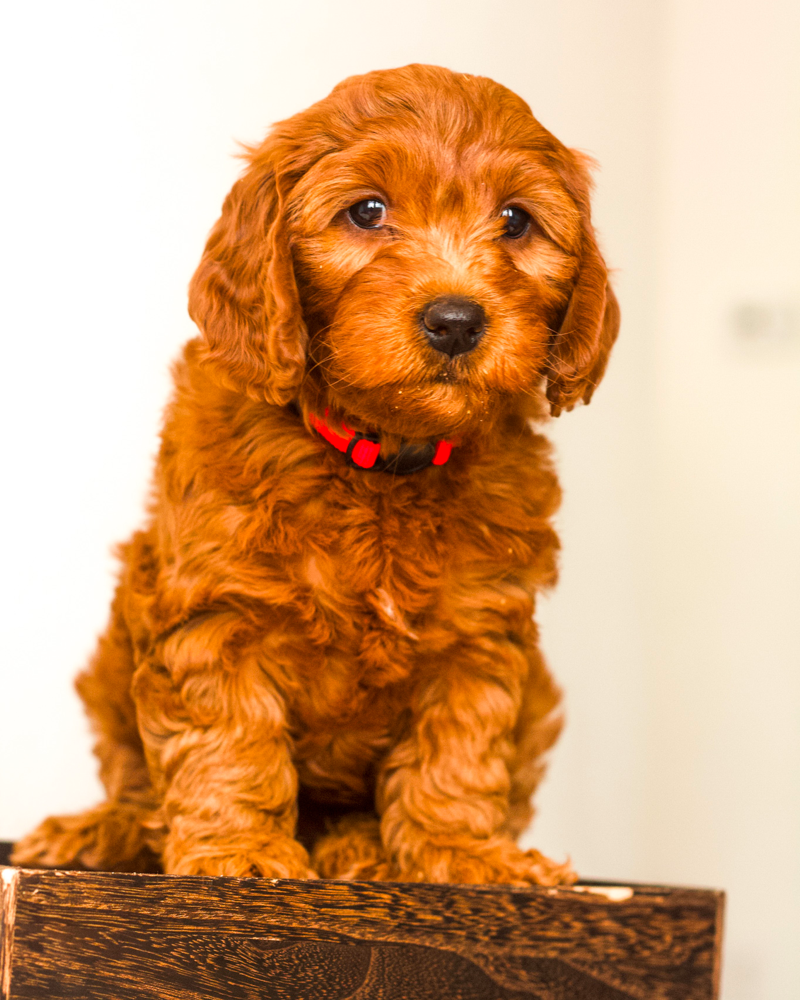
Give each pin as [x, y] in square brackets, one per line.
[331, 600]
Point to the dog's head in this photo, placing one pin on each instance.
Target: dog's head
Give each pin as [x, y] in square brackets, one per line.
[417, 249]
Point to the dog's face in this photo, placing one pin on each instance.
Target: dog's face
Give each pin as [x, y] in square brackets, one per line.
[417, 250]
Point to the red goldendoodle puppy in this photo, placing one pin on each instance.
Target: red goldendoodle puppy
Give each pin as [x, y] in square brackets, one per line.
[332, 599]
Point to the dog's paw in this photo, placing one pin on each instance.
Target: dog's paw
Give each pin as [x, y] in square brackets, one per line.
[497, 861]
[278, 857]
[352, 849]
[110, 837]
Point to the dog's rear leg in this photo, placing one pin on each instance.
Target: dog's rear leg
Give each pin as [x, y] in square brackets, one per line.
[112, 836]
[538, 726]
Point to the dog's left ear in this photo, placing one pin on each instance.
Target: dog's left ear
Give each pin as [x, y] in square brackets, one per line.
[579, 349]
[243, 296]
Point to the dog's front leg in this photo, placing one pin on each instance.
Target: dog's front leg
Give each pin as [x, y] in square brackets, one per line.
[444, 791]
[214, 730]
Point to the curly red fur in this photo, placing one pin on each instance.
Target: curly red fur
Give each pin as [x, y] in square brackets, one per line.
[286, 623]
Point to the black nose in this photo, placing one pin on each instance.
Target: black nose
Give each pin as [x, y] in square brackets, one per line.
[453, 324]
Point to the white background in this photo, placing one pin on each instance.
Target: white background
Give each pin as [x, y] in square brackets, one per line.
[676, 627]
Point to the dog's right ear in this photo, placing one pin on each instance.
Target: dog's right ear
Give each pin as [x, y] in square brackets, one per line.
[243, 296]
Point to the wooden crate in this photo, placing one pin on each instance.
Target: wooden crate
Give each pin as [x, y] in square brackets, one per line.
[98, 936]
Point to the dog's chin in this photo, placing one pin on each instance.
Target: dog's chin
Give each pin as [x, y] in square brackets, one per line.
[449, 376]
[446, 405]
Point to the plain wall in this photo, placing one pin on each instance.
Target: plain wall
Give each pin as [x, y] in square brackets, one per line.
[674, 629]
[723, 604]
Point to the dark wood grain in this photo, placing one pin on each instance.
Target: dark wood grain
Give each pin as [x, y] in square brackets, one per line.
[104, 935]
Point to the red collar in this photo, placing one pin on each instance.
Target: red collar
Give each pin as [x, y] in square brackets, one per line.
[363, 450]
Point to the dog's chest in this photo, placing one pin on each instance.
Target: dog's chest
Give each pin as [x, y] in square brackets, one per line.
[384, 581]
[388, 591]
[371, 578]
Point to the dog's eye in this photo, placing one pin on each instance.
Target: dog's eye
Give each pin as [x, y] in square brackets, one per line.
[517, 222]
[368, 214]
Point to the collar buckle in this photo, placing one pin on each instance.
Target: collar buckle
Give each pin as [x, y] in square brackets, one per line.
[363, 450]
